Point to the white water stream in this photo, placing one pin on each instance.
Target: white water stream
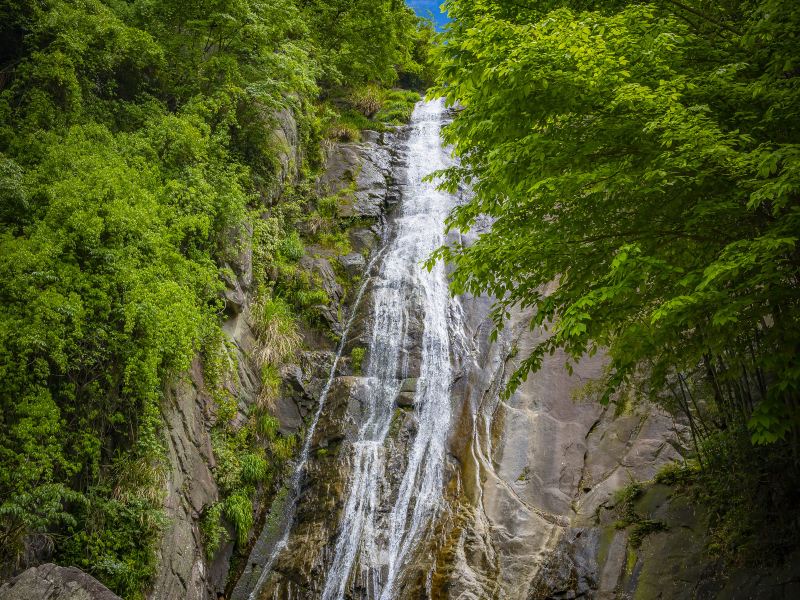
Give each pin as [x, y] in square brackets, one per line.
[378, 544]
[381, 526]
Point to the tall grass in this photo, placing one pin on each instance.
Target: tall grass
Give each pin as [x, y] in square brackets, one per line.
[275, 328]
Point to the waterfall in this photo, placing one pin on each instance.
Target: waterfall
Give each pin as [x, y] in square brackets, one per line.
[381, 524]
[379, 544]
[262, 546]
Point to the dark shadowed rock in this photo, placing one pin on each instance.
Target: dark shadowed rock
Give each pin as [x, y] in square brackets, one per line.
[408, 389]
[51, 582]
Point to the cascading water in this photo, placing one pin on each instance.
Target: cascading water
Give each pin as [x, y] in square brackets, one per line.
[385, 515]
[380, 545]
[262, 546]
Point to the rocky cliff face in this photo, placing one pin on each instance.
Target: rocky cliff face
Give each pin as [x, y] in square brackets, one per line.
[363, 174]
[531, 490]
[189, 415]
[528, 478]
[530, 505]
[533, 474]
[360, 173]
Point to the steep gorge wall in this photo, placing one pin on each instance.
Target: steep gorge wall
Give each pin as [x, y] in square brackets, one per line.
[367, 169]
[532, 484]
[359, 173]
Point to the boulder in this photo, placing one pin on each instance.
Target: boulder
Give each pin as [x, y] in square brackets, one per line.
[353, 263]
[408, 390]
[52, 582]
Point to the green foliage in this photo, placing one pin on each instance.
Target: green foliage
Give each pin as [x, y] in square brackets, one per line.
[356, 358]
[367, 107]
[677, 474]
[641, 529]
[338, 241]
[361, 41]
[397, 107]
[213, 532]
[624, 500]
[366, 99]
[135, 137]
[267, 426]
[238, 509]
[270, 382]
[640, 167]
[646, 160]
[751, 498]
[291, 248]
[625, 505]
[249, 461]
[273, 322]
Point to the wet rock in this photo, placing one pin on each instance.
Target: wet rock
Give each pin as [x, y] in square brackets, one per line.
[52, 582]
[538, 452]
[407, 394]
[374, 137]
[405, 400]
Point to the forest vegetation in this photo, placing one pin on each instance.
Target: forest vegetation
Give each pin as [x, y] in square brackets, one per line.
[634, 167]
[645, 157]
[136, 140]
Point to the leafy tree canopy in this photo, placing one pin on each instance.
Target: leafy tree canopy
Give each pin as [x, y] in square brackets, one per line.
[135, 137]
[644, 157]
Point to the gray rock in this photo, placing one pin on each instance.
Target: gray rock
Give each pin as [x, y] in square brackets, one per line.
[52, 582]
[353, 263]
[409, 385]
[374, 137]
[321, 267]
[183, 570]
[408, 388]
[235, 297]
[363, 240]
[365, 167]
[405, 399]
[287, 146]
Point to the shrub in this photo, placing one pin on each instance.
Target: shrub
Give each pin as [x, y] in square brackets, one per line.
[255, 468]
[366, 99]
[213, 532]
[356, 358]
[677, 474]
[291, 247]
[238, 509]
[270, 383]
[277, 337]
[344, 132]
[266, 426]
[328, 206]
